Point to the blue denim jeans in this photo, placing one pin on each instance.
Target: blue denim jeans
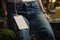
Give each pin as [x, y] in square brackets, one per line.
[41, 26]
[21, 34]
[36, 18]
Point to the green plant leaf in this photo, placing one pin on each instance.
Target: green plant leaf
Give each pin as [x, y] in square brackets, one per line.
[7, 32]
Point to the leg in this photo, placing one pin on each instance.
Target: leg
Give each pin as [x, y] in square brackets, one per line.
[22, 34]
[42, 27]
[23, 28]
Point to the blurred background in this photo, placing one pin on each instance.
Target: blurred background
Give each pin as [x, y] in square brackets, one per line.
[52, 8]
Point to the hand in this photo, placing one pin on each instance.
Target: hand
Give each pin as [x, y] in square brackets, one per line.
[5, 13]
[44, 10]
[48, 17]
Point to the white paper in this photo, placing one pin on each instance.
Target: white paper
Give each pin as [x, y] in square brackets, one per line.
[20, 22]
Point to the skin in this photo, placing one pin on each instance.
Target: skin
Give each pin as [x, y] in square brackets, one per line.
[41, 5]
[5, 14]
[4, 8]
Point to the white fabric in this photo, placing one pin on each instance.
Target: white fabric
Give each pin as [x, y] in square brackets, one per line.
[20, 0]
[27, 0]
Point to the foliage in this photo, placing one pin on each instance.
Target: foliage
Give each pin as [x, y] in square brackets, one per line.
[7, 34]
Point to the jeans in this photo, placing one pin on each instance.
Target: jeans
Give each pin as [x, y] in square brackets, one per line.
[36, 18]
[42, 28]
[21, 34]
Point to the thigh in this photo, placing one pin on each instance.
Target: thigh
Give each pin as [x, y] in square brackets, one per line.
[41, 26]
[39, 22]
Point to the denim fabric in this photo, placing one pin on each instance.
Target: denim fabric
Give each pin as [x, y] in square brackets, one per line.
[36, 18]
[41, 26]
[21, 34]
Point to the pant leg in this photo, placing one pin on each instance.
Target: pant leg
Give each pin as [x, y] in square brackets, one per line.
[24, 34]
[12, 23]
[21, 34]
[43, 29]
